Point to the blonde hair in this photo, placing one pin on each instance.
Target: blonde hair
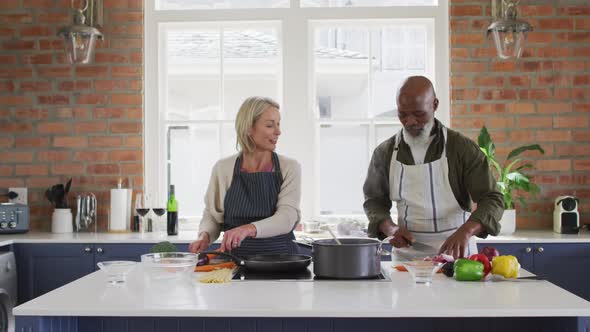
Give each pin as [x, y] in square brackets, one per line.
[250, 111]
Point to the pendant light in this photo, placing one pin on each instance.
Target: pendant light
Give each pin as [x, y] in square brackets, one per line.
[508, 33]
[79, 38]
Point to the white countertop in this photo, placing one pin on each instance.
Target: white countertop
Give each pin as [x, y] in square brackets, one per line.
[525, 236]
[445, 297]
[151, 237]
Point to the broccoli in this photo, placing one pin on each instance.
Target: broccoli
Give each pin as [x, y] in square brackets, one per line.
[163, 246]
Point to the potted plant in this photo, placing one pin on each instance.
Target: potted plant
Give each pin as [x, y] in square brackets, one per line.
[510, 176]
[61, 218]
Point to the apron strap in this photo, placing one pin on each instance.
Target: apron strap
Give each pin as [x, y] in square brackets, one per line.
[238, 164]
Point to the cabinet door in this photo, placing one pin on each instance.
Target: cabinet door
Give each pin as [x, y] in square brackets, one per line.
[126, 251]
[522, 251]
[120, 252]
[565, 264]
[45, 267]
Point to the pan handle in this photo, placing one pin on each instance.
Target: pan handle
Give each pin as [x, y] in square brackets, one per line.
[236, 259]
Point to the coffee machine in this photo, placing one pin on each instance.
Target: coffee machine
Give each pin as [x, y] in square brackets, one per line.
[566, 218]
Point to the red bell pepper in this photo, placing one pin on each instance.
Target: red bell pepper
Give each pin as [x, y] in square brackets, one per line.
[487, 267]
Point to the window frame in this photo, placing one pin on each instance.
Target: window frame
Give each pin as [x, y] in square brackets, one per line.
[297, 104]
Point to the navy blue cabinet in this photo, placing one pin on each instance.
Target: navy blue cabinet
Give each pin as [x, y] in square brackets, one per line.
[43, 267]
[566, 265]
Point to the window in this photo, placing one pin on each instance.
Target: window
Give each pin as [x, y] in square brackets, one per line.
[334, 71]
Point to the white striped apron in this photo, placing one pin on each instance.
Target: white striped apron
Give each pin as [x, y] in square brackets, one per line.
[426, 205]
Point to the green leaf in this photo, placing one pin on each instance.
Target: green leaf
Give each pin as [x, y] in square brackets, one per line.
[529, 166]
[492, 150]
[509, 167]
[485, 152]
[484, 139]
[517, 177]
[497, 167]
[522, 149]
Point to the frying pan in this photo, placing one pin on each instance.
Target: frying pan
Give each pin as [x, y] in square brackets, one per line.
[268, 263]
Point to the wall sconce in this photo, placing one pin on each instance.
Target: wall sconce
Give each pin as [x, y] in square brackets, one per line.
[80, 37]
[509, 34]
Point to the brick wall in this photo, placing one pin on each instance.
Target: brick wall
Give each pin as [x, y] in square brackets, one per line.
[542, 98]
[59, 121]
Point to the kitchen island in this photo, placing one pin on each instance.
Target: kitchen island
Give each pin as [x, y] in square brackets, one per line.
[398, 304]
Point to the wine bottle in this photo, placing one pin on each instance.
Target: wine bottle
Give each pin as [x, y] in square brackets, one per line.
[172, 211]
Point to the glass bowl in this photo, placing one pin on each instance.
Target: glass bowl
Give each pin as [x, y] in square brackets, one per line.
[422, 271]
[116, 271]
[169, 265]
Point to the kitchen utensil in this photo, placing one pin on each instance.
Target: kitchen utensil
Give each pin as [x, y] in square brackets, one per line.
[169, 265]
[531, 278]
[425, 248]
[268, 263]
[422, 271]
[86, 213]
[354, 258]
[332, 234]
[416, 249]
[116, 271]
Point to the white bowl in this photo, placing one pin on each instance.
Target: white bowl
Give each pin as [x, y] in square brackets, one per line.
[116, 271]
[169, 265]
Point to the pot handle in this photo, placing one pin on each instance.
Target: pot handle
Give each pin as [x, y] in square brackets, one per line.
[303, 242]
[380, 250]
[236, 259]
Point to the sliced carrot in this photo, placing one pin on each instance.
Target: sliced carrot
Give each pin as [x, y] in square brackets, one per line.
[211, 267]
[211, 256]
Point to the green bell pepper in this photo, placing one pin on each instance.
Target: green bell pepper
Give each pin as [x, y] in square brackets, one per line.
[468, 270]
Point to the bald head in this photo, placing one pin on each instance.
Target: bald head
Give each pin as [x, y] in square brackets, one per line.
[416, 104]
[415, 87]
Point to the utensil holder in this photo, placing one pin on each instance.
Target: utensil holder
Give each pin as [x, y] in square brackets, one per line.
[61, 221]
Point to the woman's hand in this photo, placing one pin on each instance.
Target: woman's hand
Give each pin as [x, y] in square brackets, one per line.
[201, 244]
[234, 237]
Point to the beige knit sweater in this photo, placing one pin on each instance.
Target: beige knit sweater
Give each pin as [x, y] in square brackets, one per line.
[286, 216]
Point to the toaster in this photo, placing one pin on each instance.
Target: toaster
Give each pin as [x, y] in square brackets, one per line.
[566, 219]
[14, 218]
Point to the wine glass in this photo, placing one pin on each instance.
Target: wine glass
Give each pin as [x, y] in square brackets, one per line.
[142, 210]
[159, 212]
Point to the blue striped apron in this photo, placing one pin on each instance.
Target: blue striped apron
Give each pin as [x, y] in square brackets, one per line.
[252, 197]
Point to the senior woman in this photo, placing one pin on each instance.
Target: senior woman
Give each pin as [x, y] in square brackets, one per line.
[253, 196]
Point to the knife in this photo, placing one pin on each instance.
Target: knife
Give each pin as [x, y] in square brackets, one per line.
[531, 278]
[421, 247]
[418, 246]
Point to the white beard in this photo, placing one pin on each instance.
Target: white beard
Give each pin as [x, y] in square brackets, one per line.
[422, 139]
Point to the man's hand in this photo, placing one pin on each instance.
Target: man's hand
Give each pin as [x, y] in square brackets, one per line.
[457, 244]
[234, 237]
[201, 244]
[402, 238]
